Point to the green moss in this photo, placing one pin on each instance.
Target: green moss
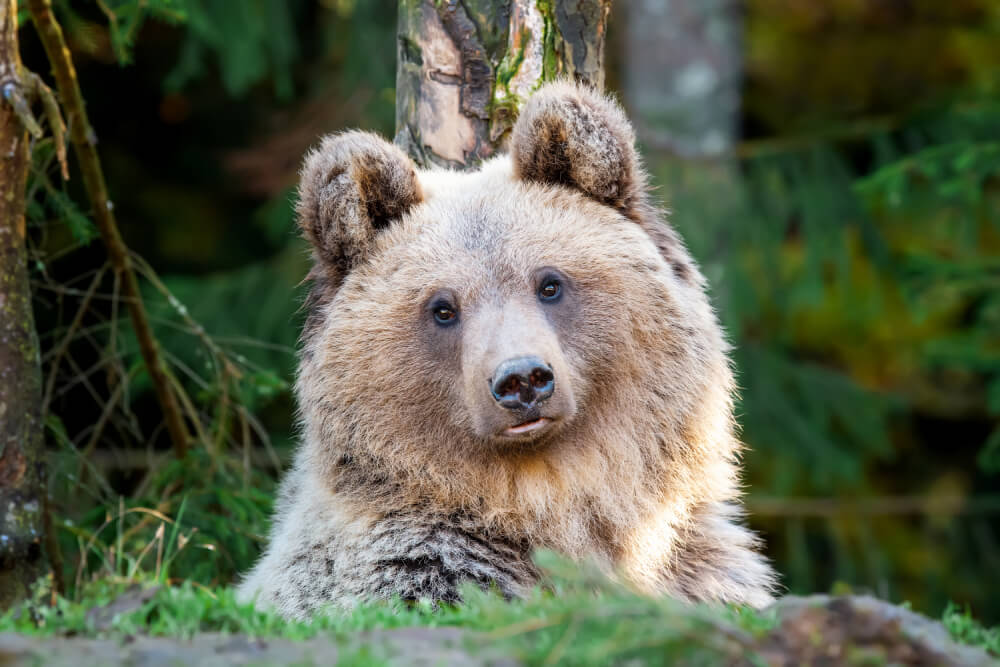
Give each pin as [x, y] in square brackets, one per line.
[505, 107]
[967, 630]
[550, 35]
[510, 64]
[412, 52]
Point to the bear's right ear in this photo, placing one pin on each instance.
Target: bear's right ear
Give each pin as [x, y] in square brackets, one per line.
[351, 188]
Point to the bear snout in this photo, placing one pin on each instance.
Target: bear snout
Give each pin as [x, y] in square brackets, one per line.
[516, 384]
[522, 384]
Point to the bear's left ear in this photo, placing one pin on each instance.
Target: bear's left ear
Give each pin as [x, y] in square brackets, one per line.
[572, 135]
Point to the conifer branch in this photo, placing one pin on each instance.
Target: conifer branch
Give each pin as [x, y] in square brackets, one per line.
[85, 145]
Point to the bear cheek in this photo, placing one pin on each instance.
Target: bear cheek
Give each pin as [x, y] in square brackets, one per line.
[598, 343]
[437, 382]
[474, 398]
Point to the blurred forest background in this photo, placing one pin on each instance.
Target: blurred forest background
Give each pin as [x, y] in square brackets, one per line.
[849, 224]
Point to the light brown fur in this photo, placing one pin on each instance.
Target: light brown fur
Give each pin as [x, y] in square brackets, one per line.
[401, 485]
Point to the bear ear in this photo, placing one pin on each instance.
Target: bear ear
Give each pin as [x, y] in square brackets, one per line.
[351, 188]
[572, 135]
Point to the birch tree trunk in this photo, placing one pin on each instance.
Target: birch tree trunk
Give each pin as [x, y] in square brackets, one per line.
[21, 444]
[464, 67]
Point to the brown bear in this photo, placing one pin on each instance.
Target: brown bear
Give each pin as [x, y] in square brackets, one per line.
[503, 360]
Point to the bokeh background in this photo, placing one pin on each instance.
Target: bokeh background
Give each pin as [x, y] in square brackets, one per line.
[836, 171]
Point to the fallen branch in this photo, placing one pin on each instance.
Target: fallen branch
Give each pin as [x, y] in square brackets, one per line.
[85, 145]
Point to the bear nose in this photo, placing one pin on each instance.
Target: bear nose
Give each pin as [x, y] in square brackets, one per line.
[522, 383]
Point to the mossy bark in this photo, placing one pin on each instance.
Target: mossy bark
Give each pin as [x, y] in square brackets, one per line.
[21, 439]
[465, 67]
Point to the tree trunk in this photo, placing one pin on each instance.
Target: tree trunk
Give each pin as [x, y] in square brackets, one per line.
[682, 74]
[464, 67]
[21, 439]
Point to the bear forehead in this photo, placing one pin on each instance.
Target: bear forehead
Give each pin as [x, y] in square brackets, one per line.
[489, 220]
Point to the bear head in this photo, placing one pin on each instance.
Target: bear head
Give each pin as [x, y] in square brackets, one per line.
[513, 338]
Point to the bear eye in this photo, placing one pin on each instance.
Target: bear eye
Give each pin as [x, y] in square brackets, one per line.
[550, 289]
[444, 313]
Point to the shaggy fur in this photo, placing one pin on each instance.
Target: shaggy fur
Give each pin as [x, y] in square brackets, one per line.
[405, 483]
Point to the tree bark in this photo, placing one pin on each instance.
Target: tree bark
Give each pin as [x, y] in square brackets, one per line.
[21, 438]
[682, 74]
[464, 67]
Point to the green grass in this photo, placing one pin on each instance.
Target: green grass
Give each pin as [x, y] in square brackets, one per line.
[582, 618]
[968, 630]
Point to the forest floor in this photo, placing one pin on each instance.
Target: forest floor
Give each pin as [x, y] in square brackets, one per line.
[583, 620]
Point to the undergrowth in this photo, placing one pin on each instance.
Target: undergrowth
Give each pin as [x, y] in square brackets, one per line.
[580, 617]
[964, 628]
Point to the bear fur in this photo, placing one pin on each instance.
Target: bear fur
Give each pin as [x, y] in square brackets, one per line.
[411, 479]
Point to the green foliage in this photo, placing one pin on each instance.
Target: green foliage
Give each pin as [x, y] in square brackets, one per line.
[126, 17]
[581, 617]
[202, 520]
[250, 41]
[246, 43]
[816, 65]
[858, 281]
[65, 209]
[46, 201]
[228, 338]
[262, 298]
[964, 628]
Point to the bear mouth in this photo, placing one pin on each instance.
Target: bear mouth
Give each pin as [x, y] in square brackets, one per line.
[528, 428]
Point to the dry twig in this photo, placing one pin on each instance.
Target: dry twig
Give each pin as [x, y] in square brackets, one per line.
[85, 146]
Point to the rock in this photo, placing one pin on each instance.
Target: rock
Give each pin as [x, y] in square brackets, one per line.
[856, 630]
[405, 646]
[101, 618]
[815, 630]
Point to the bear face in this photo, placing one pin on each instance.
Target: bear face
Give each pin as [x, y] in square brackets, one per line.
[496, 361]
[486, 274]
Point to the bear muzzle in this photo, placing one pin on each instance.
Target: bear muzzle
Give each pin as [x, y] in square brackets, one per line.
[517, 385]
[522, 385]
